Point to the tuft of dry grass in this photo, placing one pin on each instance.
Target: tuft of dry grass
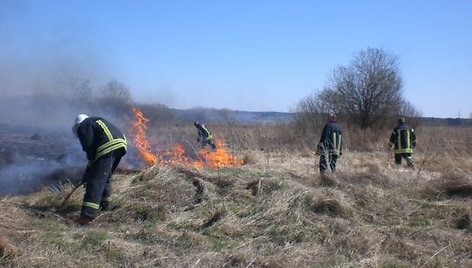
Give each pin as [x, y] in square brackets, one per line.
[7, 249]
[450, 184]
[250, 158]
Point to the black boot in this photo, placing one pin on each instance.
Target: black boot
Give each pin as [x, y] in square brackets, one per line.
[105, 206]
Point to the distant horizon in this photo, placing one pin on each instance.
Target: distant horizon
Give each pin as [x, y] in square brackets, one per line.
[137, 103]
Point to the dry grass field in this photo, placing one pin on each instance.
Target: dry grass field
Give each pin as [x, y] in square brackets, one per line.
[272, 211]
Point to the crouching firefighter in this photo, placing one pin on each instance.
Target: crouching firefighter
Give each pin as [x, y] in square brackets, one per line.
[104, 145]
[204, 135]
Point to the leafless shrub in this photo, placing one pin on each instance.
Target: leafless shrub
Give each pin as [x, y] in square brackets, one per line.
[328, 180]
[330, 206]
[260, 186]
[7, 249]
[464, 222]
[450, 184]
[373, 177]
[250, 158]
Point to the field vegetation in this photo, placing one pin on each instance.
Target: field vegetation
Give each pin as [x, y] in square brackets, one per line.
[272, 211]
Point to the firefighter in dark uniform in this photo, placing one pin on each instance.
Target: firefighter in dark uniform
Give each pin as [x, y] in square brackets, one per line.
[330, 146]
[204, 135]
[403, 141]
[105, 145]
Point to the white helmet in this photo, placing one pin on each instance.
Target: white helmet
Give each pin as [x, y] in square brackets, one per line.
[79, 119]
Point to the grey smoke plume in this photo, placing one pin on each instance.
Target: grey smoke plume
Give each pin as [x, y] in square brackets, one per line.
[40, 95]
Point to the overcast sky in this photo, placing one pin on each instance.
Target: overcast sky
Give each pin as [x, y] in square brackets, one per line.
[239, 54]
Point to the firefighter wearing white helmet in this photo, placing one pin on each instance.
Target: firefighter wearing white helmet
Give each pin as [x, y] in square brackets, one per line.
[104, 145]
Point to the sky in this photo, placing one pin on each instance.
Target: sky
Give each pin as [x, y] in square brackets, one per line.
[247, 55]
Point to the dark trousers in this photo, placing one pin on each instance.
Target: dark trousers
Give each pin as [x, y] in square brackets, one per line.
[406, 156]
[209, 142]
[98, 185]
[332, 158]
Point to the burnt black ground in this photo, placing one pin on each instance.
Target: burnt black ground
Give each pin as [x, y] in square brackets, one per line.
[32, 158]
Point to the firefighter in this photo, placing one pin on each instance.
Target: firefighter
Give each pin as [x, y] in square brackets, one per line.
[330, 146]
[104, 145]
[204, 135]
[403, 141]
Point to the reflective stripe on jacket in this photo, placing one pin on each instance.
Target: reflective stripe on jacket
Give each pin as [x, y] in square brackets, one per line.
[98, 137]
[331, 138]
[112, 143]
[403, 138]
[204, 133]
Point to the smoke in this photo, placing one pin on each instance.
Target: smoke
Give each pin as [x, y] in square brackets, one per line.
[50, 71]
[43, 91]
[24, 177]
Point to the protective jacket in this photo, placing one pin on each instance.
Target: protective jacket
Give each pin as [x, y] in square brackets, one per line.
[99, 137]
[403, 138]
[331, 139]
[203, 133]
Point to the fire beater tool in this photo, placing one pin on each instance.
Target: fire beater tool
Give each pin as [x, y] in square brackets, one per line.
[69, 195]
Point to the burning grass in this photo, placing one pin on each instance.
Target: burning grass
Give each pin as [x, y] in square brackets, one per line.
[178, 154]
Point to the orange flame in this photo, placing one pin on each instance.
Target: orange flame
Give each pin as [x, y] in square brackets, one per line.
[177, 155]
[218, 158]
[140, 140]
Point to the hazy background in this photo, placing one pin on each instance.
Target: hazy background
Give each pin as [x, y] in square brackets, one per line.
[241, 55]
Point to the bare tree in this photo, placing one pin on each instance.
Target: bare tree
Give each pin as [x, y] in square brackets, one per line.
[410, 113]
[158, 114]
[311, 110]
[81, 91]
[368, 91]
[309, 117]
[115, 97]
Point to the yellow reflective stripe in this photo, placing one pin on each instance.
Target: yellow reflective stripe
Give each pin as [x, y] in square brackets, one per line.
[208, 133]
[91, 205]
[339, 144]
[407, 148]
[110, 143]
[117, 146]
[105, 129]
[408, 145]
[336, 145]
[404, 151]
[111, 146]
[399, 139]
